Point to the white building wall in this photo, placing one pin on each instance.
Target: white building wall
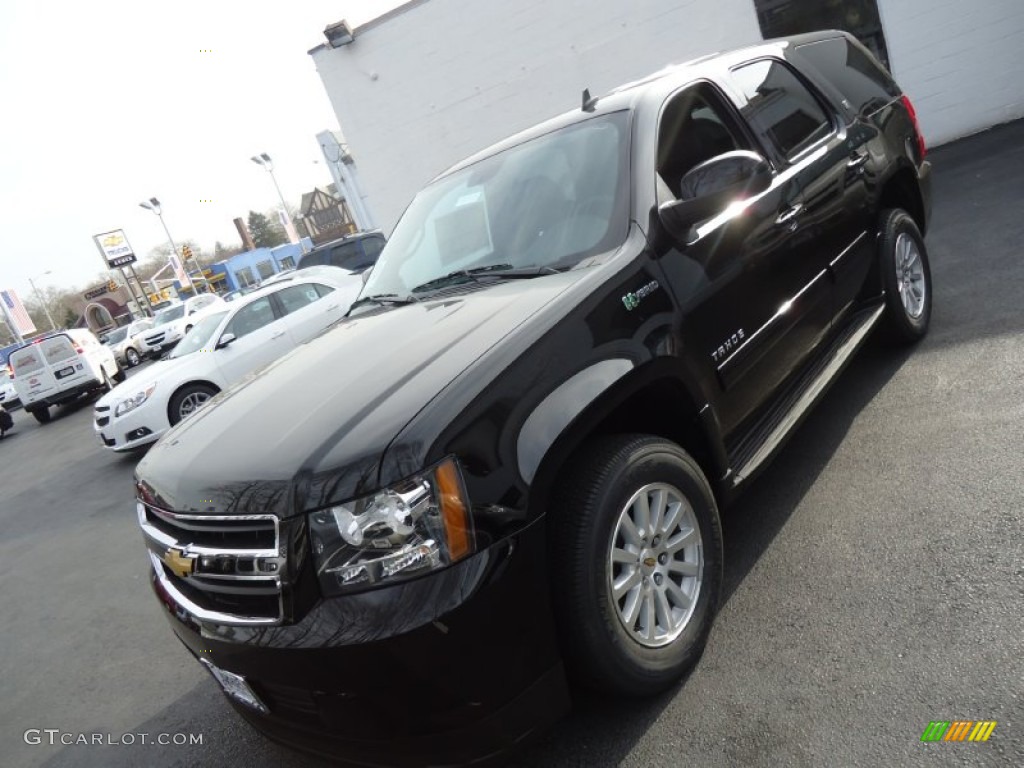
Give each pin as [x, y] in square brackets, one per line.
[961, 62]
[439, 79]
[445, 78]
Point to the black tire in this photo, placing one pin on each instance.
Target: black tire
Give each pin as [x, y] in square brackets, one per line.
[903, 326]
[42, 415]
[599, 652]
[132, 357]
[121, 375]
[180, 398]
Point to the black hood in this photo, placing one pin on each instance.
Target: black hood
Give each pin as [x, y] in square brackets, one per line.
[311, 429]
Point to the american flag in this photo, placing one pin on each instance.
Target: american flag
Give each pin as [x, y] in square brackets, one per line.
[15, 312]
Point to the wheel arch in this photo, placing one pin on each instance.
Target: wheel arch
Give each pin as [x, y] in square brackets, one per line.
[654, 400]
[901, 190]
[183, 385]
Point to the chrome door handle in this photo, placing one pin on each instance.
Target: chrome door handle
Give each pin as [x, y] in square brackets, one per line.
[789, 216]
[857, 160]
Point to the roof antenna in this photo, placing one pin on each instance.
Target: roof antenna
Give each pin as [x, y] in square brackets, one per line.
[588, 101]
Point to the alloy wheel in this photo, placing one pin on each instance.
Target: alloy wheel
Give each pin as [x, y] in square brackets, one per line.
[655, 565]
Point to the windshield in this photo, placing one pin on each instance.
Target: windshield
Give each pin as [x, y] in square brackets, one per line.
[169, 314]
[549, 202]
[199, 336]
[116, 336]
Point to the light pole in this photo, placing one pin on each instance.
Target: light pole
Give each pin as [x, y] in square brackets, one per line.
[264, 160]
[154, 205]
[39, 298]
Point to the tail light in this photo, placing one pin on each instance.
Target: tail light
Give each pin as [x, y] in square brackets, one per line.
[921, 148]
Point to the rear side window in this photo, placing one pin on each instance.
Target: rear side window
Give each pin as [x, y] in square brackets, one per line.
[295, 297]
[323, 290]
[26, 361]
[348, 256]
[251, 317]
[780, 107]
[863, 83]
[372, 246]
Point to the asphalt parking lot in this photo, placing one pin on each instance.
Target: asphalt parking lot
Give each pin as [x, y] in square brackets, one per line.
[874, 576]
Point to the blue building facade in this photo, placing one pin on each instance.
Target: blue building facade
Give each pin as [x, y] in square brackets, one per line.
[252, 267]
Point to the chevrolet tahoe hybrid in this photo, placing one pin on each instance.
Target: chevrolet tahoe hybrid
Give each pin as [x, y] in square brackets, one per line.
[503, 470]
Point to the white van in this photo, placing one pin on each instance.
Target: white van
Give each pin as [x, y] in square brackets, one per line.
[59, 368]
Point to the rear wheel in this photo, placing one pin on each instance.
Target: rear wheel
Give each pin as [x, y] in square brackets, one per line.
[188, 400]
[121, 375]
[132, 357]
[906, 277]
[42, 415]
[637, 569]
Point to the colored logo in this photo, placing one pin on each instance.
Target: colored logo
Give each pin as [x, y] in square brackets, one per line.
[180, 564]
[632, 299]
[110, 241]
[958, 730]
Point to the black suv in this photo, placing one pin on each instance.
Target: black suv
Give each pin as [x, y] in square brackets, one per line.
[356, 253]
[503, 470]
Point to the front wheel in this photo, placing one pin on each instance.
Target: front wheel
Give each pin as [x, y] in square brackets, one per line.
[637, 564]
[906, 277]
[188, 400]
[132, 357]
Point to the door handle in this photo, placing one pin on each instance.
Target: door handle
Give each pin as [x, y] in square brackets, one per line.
[788, 217]
[333, 307]
[277, 335]
[857, 160]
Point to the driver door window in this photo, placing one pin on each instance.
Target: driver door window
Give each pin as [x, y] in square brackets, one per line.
[694, 127]
[259, 340]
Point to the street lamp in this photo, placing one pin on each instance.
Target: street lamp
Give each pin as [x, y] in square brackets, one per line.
[39, 298]
[154, 205]
[264, 160]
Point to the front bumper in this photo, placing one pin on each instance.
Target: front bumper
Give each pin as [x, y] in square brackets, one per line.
[450, 669]
[134, 429]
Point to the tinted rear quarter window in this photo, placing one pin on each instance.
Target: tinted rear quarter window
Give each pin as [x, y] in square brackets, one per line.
[780, 107]
[863, 83]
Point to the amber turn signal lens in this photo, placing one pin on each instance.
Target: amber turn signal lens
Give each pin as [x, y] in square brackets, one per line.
[453, 508]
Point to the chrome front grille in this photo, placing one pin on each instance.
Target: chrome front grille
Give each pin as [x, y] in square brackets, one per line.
[224, 569]
[155, 338]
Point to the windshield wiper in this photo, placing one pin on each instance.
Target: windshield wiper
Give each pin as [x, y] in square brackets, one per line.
[384, 299]
[491, 270]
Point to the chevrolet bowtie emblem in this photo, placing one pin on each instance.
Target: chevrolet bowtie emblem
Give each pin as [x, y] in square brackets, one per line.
[181, 565]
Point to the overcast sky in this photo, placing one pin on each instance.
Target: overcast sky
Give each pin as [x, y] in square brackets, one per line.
[108, 103]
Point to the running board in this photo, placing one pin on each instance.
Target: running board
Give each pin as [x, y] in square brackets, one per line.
[771, 431]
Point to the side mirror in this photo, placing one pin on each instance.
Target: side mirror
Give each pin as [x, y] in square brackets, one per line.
[708, 188]
[226, 339]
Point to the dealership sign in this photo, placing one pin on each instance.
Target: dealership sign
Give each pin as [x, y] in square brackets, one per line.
[115, 249]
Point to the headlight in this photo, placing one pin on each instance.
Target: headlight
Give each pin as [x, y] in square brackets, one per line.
[419, 525]
[133, 402]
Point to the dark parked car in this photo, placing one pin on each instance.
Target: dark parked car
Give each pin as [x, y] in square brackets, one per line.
[356, 253]
[503, 470]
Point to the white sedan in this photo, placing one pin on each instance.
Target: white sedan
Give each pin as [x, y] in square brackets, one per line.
[222, 348]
